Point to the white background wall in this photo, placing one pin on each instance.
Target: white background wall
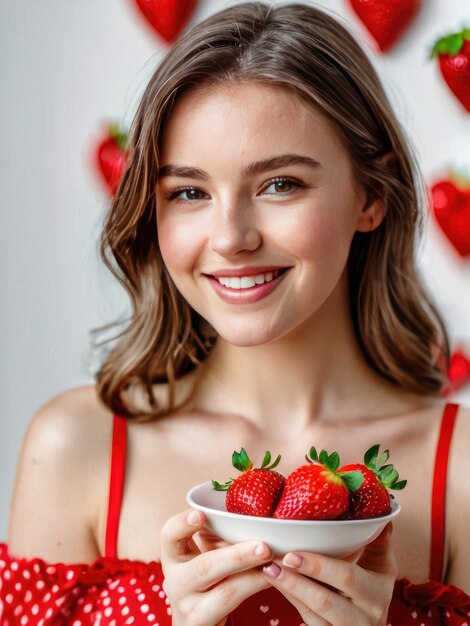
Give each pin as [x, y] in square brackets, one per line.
[67, 66]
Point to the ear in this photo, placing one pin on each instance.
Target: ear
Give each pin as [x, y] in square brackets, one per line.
[373, 211]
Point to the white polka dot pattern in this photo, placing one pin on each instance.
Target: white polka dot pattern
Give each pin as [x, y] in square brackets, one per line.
[113, 592]
[109, 592]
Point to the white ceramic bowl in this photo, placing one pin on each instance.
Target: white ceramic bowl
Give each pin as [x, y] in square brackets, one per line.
[331, 537]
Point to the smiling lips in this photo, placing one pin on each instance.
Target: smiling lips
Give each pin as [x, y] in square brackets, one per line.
[246, 288]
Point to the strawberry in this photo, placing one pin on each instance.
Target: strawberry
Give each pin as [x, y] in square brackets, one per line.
[372, 499]
[110, 157]
[317, 490]
[451, 206]
[459, 371]
[257, 491]
[386, 20]
[453, 52]
[167, 17]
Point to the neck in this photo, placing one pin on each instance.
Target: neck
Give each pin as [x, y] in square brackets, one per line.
[316, 372]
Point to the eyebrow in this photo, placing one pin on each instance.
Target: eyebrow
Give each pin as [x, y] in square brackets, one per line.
[258, 167]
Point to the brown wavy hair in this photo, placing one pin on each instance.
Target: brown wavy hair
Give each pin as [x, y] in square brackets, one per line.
[307, 51]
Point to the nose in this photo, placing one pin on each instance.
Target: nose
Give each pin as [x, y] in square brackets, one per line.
[234, 230]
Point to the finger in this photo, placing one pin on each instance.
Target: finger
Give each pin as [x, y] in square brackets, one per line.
[339, 575]
[229, 594]
[313, 600]
[209, 568]
[207, 541]
[378, 556]
[352, 579]
[176, 535]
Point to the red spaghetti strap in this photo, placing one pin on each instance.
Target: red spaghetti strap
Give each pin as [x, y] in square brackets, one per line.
[116, 484]
[438, 505]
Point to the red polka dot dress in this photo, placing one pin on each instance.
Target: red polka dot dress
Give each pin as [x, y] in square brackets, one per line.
[115, 592]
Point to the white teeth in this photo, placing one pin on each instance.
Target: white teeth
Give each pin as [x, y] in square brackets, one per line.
[245, 282]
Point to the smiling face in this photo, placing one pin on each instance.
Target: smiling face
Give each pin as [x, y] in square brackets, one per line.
[252, 177]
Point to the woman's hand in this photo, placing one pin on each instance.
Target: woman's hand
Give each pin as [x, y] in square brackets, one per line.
[334, 592]
[205, 585]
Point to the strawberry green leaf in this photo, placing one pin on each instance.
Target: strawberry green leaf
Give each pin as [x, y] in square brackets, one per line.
[450, 44]
[116, 132]
[390, 477]
[274, 464]
[218, 487]
[399, 485]
[455, 44]
[385, 473]
[241, 461]
[266, 460]
[324, 458]
[313, 456]
[352, 480]
[383, 458]
[440, 47]
[371, 456]
[333, 461]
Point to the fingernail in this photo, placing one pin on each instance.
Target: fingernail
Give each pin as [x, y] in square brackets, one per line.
[261, 550]
[193, 518]
[272, 570]
[293, 560]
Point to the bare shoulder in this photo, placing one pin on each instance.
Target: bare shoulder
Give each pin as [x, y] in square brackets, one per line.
[60, 475]
[458, 501]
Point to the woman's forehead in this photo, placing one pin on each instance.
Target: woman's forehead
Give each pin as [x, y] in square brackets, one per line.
[243, 114]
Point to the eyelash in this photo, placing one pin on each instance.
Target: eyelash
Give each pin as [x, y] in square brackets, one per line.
[173, 194]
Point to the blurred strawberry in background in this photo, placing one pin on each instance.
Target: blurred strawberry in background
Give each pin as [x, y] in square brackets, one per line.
[453, 53]
[386, 20]
[459, 371]
[167, 17]
[451, 207]
[110, 156]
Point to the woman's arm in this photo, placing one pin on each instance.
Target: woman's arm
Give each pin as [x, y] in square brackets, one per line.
[54, 498]
[458, 503]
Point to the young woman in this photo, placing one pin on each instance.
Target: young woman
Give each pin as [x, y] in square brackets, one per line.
[264, 229]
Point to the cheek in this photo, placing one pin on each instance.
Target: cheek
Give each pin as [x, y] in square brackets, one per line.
[179, 245]
[320, 238]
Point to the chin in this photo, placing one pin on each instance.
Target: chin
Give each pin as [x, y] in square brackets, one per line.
[246, 335]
